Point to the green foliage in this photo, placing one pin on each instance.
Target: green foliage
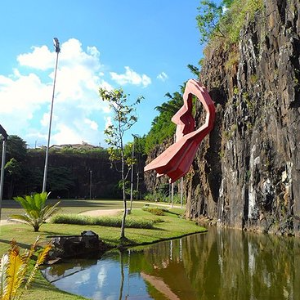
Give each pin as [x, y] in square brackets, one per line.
[162, 127]
[13, 167]
[16, 148]
[235, 17]
[208, 20]
[225, 20]
[249, 102]
[60, 179]
[176, 198]
[102, 221]
[15, 270]
[154, 210]
[80, 151]
[123, 119]
[37, 212]
[160, 195]
[195, 70]
[233, 59]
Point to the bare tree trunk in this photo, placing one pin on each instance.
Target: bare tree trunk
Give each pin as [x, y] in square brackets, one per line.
[124, 199]
[124, 214]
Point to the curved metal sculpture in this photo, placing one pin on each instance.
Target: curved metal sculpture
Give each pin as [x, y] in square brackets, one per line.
[176, 160]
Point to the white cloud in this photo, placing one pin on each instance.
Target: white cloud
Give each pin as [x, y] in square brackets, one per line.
[108, 122]
[66, 135]
[131, 77]
[18, 93]
[162, 76]
[78, 114]
[93, 125]
[40, 58]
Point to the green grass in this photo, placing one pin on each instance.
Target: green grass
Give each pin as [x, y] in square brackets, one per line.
[171, 225]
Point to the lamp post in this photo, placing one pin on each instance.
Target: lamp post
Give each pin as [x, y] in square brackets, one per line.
[131, 181]
[4, 136]
[57, 50]
[91, 183]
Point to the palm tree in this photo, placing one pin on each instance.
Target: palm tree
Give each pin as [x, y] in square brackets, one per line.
[37, 212]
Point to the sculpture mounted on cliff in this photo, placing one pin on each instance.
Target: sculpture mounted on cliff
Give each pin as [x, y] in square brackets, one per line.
[176, 160]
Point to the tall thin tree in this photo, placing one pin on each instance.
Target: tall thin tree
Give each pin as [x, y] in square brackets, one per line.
[124, 117]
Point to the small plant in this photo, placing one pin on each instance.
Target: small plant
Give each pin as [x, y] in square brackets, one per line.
[248, 175]
[233, 59]
[221, 153]
[154, 210]
[249, 103]
[15, 270]
[253, 78]
[37, 212]
[235, 90]
[229, 134]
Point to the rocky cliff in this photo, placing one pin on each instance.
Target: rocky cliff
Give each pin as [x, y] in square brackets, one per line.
[247, 172]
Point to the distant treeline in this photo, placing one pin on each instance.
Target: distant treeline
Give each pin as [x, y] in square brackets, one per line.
[74, 171]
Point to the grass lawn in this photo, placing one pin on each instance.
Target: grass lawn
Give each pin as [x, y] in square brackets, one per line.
[171, 226]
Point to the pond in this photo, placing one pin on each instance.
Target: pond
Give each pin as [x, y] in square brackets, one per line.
[219, 264]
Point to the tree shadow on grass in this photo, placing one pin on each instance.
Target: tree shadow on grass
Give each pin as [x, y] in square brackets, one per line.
[21, 245]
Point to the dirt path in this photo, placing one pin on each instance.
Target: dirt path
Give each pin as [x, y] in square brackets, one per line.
[102, 212]
[97, 213]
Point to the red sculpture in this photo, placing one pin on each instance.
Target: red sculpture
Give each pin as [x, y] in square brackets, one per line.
[176, 160]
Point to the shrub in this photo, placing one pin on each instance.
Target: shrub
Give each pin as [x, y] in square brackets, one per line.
[154, 210]
[102, 221]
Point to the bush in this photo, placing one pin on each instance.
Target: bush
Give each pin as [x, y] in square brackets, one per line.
[102, 221]
[154, 210]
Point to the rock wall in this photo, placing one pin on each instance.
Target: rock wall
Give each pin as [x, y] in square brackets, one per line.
[247, 172]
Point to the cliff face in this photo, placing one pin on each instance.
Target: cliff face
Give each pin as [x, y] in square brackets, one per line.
[247, 172]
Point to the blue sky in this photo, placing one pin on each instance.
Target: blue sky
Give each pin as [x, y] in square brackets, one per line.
[143, 46]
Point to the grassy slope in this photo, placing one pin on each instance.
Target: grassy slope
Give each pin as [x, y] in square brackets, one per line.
[171, 227]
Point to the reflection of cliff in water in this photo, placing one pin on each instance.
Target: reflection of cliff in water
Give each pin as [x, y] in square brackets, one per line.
[224, 265]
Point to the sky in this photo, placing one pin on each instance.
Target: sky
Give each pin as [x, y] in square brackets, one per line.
[141, 46]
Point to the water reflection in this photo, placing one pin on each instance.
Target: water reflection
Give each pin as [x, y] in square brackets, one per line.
[217, 265]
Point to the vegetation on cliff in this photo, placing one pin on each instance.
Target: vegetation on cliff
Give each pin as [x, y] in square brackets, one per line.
[162, 128]
[224, 22]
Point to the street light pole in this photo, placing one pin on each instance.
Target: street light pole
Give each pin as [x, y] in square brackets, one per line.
[57, 50]
[91, 183]
[131, 181]
[4, 136]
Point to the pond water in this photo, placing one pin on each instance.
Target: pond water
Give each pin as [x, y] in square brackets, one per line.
[220, 264]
